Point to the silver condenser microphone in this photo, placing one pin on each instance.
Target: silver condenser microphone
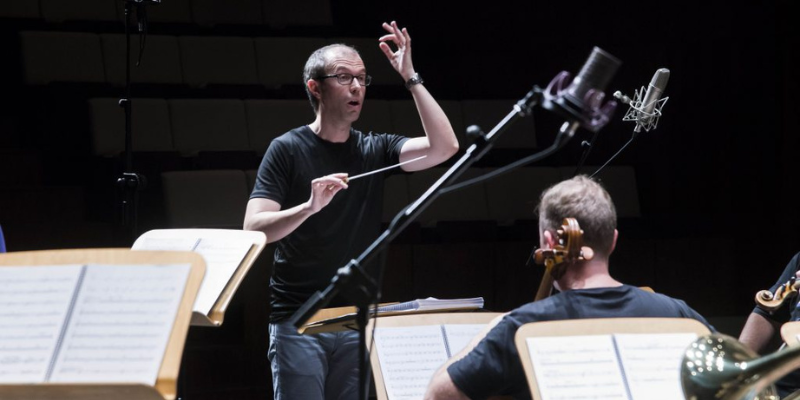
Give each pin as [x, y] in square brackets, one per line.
[645, 107]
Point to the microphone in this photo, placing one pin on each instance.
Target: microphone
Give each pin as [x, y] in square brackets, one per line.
[645, 107]
[582, 100]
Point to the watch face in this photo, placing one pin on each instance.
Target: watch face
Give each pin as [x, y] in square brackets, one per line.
[414, 80]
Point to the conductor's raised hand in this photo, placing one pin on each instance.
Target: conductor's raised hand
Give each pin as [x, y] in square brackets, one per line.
[323, 189]
[400, 58]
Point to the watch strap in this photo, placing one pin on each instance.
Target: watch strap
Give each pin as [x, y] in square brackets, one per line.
[415, 79]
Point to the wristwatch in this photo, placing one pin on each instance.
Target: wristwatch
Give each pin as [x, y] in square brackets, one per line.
[414, 80]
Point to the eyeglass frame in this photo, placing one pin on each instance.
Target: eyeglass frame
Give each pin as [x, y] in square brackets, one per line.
[367, 78]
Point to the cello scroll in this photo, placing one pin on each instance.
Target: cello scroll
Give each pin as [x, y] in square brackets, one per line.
[772, 301]
[567, 250]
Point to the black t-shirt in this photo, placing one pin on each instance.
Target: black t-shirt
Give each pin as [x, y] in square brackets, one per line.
[307, 259]
[494, 367]
[789, 312]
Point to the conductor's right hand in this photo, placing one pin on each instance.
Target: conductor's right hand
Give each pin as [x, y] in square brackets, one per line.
[323, 189]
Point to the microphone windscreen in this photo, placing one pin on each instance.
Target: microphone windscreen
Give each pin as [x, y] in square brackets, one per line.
[597, 72]
[582, 100]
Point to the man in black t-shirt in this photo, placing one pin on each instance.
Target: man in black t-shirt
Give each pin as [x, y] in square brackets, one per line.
[763, 327]
[302, 201]
[493, 367]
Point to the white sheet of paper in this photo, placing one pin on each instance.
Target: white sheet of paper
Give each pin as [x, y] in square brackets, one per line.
[120, 324]
[168, 244]
[459, 335]
[34, 302]
[652, 363]
[408, 357]
[222, 258]
[577, 367]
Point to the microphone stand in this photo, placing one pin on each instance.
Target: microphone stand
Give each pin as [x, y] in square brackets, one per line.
[353, 282]
[130, 183]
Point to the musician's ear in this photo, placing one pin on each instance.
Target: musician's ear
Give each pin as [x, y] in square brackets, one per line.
[547, 240]
[614, 242]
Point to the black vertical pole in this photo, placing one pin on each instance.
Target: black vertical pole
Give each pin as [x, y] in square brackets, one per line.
[130, 182]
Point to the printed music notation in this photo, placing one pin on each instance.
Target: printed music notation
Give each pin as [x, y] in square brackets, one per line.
[609, 367]
[652, 363]
[460, 335]
[222, 256]
[409, 356]
[100, 323]
[577, 367]
[33, 305]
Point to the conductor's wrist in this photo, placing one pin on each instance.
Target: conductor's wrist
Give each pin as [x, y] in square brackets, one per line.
[407, 74]
[308, 208]
[413, 80]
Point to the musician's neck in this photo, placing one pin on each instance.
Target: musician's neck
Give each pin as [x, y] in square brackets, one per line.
[587, 275]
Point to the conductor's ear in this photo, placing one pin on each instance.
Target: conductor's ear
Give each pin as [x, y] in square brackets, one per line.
[314, 88]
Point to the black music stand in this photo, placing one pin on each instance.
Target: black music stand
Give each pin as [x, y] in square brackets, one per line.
[353, 282]
[130, 182]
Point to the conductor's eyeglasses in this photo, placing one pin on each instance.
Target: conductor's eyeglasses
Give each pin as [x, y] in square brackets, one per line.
[347, 79]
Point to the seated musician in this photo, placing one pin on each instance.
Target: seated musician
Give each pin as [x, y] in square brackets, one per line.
[763, 327]
[587, 290]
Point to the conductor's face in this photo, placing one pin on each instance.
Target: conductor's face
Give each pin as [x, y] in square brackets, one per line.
[343, 88]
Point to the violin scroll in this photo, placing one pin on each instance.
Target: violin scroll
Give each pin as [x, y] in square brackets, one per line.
[771, 302]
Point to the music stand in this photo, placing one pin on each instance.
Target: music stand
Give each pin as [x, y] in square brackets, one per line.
[596, 326]
[165, 387]
[413, 321]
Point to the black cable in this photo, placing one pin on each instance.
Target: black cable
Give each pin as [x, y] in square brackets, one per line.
[588, 149]
[633, 136]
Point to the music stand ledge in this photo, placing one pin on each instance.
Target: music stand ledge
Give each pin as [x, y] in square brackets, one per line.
[166, 381]
[344, 318]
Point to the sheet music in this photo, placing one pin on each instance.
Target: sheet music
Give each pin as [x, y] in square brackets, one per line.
[577, 368]
[120, 324]
[409, 356]
[459, 336]
[652, 362]
[169, 244]
[222, 258]
[34, 302]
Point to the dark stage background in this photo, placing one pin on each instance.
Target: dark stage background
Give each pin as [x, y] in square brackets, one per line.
[716, 183]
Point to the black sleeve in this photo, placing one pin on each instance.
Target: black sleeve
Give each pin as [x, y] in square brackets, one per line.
[274, 176]
[689, 312]
[783, 314]
[493, 367]
[394, 143]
